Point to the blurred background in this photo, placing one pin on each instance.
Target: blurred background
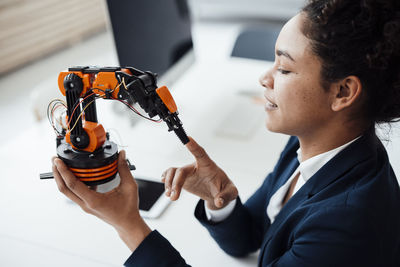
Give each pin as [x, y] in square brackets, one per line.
[38, 39]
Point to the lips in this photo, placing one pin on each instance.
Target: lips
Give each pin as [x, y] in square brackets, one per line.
[270, 105]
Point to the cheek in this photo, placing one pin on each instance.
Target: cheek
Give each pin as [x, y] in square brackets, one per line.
[290, 94]
[300, 98]
[315, 104]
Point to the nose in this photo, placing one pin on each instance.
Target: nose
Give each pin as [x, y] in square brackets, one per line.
[267, 80]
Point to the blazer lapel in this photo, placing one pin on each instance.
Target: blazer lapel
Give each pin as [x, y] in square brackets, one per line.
[351, 156]
[292, 166]
[293, 202]
[333, 170]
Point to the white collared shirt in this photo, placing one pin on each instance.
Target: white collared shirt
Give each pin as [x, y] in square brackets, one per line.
[306, 168]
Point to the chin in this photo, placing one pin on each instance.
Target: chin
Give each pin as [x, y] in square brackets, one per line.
[272, 127]
[278, 128]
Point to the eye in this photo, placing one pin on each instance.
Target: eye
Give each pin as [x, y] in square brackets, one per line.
[283, 71]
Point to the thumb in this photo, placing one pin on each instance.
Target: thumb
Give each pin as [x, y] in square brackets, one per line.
[123, 168]
[225, 196]
[197, 151]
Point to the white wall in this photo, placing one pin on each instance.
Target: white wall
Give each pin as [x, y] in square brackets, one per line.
[256, 9]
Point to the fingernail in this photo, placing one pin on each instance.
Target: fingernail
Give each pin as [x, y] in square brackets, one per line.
[172, 193]
[55, 162]
[167, 190]
[221, 201]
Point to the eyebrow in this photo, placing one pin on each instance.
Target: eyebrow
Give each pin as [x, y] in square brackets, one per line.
[285, 54]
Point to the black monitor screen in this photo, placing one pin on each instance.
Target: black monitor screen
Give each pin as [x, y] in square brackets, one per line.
[150, 35]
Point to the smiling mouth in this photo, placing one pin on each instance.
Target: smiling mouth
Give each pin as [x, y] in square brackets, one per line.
[270, 105]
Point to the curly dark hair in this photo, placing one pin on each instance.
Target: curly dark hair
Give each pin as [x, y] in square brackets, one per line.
[361, 38]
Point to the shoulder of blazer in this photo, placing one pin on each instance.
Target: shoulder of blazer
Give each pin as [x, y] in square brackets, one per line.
[363, 157]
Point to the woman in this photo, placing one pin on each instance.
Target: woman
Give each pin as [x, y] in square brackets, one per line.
[332, 198]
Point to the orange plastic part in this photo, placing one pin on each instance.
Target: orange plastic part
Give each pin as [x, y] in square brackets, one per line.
[104, 81]
[96, 169]
[96, 133]
[167, 98]
[107, 80]
[97, 82]
[97, 174]
[85, 79]
[101, 173]
[98, 178]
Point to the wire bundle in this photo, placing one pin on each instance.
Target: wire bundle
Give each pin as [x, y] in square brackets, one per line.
[58, 103]
[54, 105]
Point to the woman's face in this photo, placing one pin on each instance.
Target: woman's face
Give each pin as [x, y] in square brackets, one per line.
[296, 102]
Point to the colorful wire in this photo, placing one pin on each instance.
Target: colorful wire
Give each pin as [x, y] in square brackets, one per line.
[58, 103]
[80, 115]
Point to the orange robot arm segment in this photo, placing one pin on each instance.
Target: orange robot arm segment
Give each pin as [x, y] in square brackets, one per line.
[104, 81]
[167, 98]
[107, 81]
[97, 136]
[85, 80]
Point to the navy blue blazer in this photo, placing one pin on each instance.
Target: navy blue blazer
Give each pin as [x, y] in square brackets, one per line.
[347, 214]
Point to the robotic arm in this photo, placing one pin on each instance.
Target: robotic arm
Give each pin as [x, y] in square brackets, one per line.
[84, 145]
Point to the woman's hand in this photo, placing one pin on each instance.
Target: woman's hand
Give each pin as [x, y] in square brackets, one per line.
[118, 207]
[202, 178]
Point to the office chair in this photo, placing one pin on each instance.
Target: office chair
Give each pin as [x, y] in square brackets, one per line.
[256, 42]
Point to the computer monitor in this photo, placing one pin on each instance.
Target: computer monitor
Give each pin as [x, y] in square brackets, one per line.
[153, 35]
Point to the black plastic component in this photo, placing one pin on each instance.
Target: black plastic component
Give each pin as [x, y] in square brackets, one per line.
[109, 69]
[46, 175]
[73, 86]
[49, 175]
[108, 93]
[135, 72]
[104, 156]
[91, 70]
[83, 160]
[141, 88]
[180, 132]
[59, 139]
[131, 166]
[90, 111]
[78, 68]
[81, 140]
[73, 82]
[148, 79]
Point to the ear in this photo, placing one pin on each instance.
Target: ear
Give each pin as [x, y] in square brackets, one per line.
[346, 92]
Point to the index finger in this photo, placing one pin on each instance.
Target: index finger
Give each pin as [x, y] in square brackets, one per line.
[73, 183]
[197, 151]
